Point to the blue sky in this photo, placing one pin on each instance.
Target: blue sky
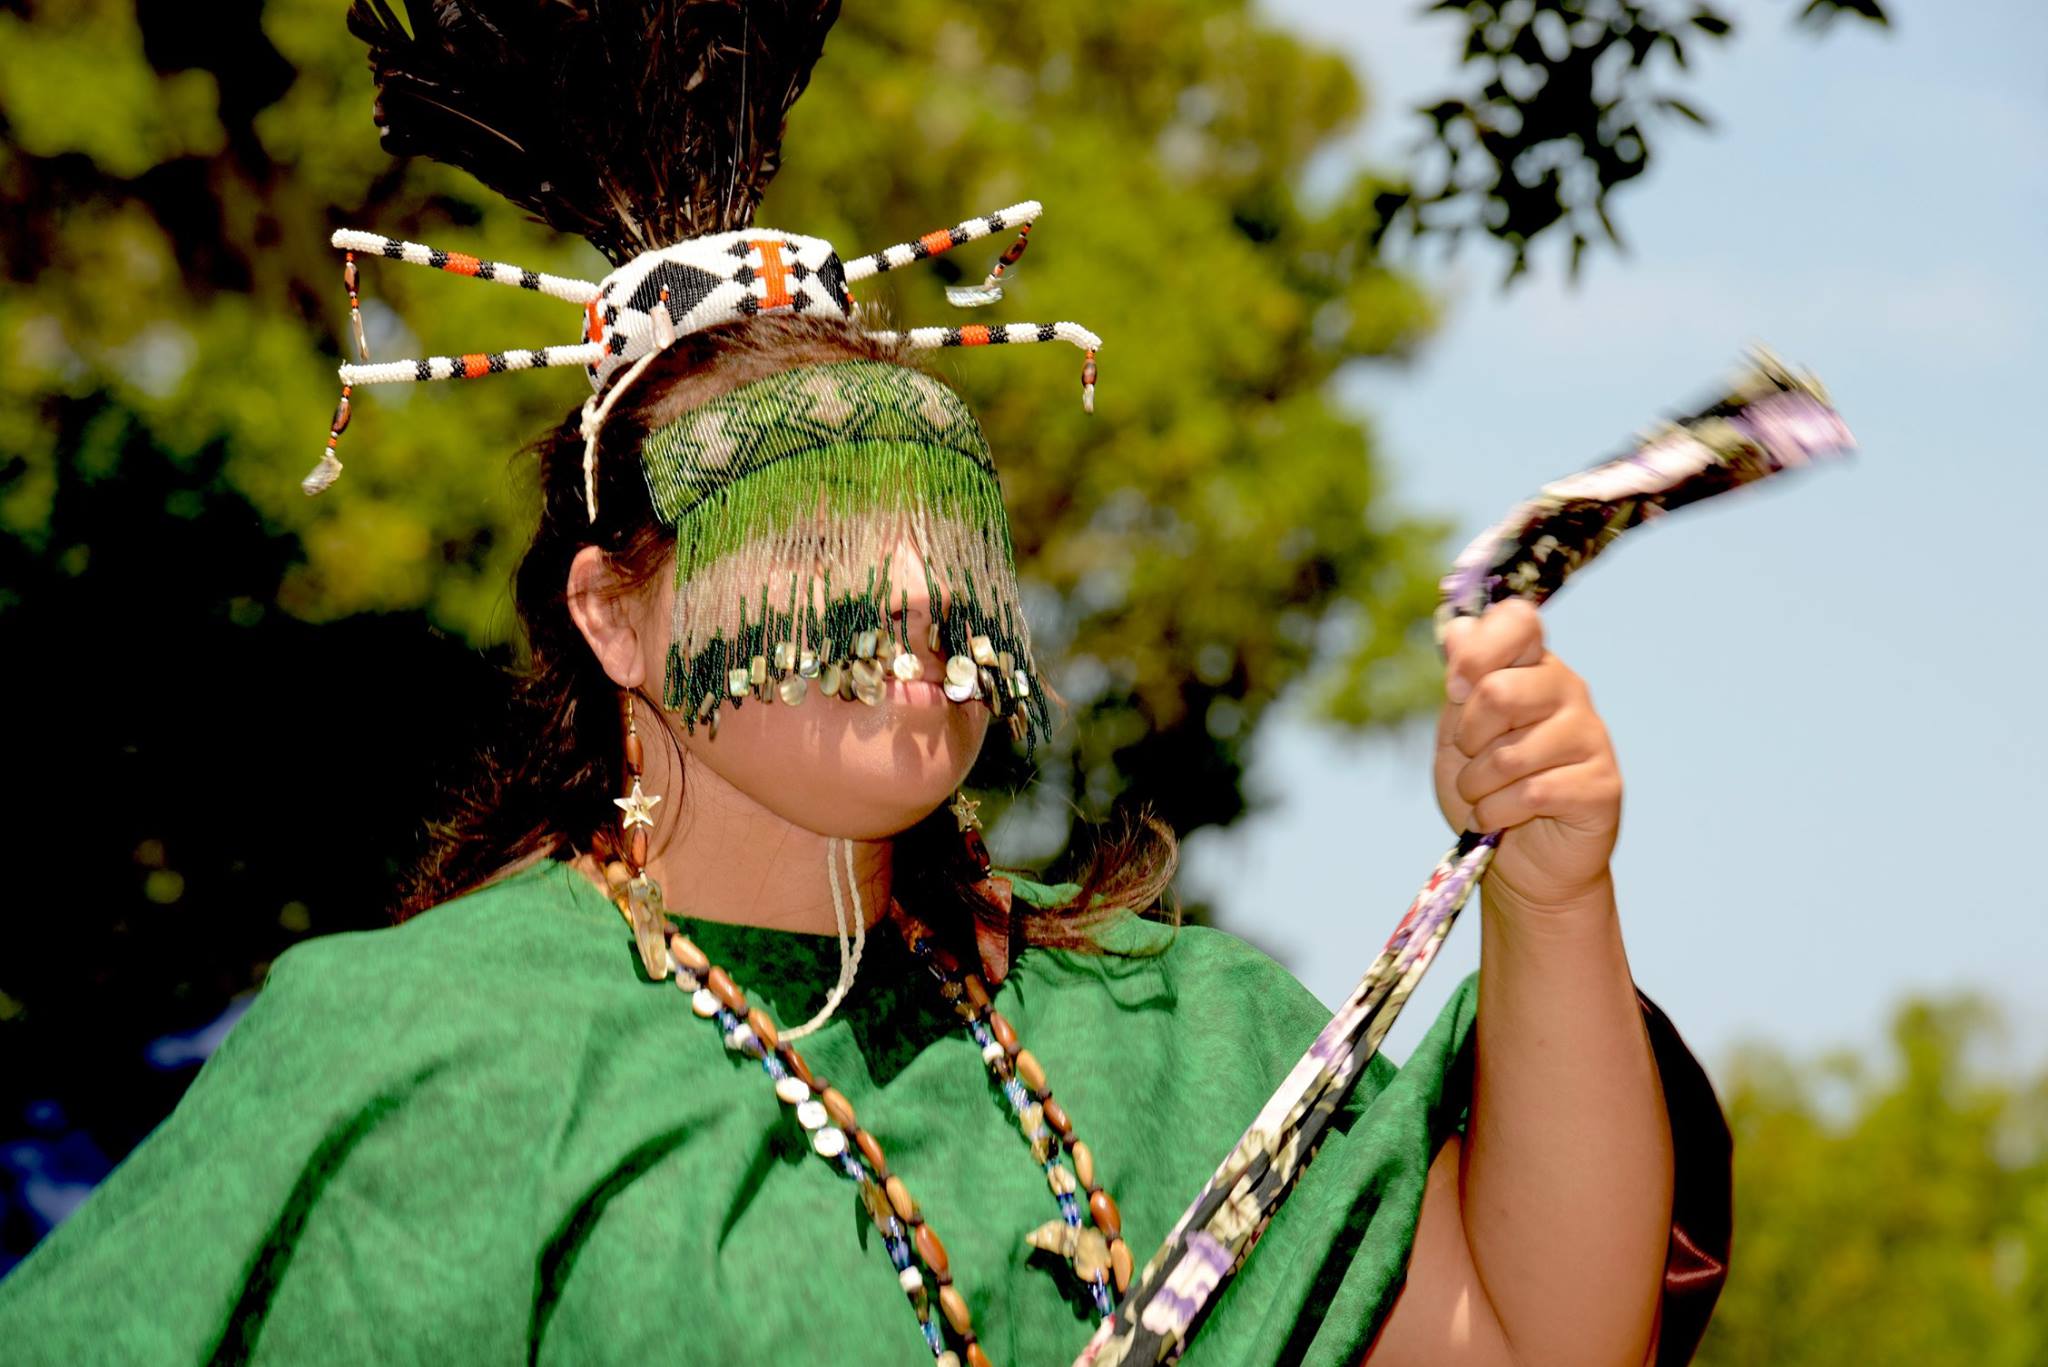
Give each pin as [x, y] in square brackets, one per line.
[1826, 695]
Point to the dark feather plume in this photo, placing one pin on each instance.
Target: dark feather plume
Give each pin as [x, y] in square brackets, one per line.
[634, 125]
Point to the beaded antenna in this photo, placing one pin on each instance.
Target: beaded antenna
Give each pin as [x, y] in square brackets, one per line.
[640, 309]
[1771, 419]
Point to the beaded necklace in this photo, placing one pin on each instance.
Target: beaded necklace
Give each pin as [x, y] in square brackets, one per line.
[1097, 1254]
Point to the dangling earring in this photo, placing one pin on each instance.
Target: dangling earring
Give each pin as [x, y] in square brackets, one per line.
[638, 896]
[993, 941]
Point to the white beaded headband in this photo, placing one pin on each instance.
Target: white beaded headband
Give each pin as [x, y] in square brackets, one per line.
[641, 308]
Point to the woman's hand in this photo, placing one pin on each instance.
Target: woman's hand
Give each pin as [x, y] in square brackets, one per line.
[1519, 747]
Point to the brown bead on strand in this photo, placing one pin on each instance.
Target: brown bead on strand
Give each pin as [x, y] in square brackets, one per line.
[1005, 1033]
[871, 1149]
[1088, 383]
[954, 1306]
[351, 278]
[900, 1200]
[838, 1107]
[1102, 1209]
[728, 992]
[932, 1253]
[977, 995]
[798, 1069]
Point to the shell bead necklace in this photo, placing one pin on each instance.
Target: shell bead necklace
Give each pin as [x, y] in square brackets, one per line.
[829, 1121]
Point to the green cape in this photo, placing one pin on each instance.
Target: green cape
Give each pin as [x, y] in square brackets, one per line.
[482, 1137]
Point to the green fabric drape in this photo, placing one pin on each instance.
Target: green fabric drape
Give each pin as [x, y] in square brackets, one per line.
[480, 1137]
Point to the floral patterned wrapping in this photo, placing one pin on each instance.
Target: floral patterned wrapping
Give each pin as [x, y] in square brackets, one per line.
[1771, 419]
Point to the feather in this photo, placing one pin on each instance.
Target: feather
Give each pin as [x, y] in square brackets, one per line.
[634, 125]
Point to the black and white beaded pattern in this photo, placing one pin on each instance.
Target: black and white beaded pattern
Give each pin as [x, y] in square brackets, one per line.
[932, 244]
[470, 367]
[722, 278]
[497, 272]
[994, 334]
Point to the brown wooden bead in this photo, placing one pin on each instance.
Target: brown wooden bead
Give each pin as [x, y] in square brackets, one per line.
[1031, 1071]
[1005, 1034]
[1084, 1164]
[633, 755]
[977, 995]
[839, 1108]
[723, 988]
[932, 1252]
[977, 1358]
[686, 952]
[801, 1070]
[955, 1306]
[871, 1149]
[1120, 1265]
[636, 843]
[1056, 1116]
[900, 1199]
[1102, 1207]
[765, 1028]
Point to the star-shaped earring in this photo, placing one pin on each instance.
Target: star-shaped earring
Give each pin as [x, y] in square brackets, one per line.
[639, 807]
[966, 810]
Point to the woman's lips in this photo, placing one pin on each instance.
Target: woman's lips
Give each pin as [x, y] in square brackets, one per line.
[914, 690]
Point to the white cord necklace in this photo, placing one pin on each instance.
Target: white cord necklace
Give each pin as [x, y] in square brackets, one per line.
[849, 951]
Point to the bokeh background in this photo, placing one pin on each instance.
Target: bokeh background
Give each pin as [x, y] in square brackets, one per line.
[1369, 273]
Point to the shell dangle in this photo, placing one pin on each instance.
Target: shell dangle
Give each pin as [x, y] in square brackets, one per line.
[638, 896]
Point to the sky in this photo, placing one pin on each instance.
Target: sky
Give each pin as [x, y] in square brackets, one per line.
[1826, 694]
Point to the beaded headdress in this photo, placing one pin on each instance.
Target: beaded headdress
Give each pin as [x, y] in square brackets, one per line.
[789, 495]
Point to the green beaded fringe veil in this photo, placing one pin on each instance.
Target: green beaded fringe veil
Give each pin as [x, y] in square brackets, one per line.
[824, 468]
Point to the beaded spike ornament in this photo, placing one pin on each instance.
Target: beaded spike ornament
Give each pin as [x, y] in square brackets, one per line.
[640, 309]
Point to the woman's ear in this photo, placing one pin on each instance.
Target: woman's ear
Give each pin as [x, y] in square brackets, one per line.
[602, 610]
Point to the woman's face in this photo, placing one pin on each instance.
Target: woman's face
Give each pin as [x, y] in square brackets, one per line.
[832, 765]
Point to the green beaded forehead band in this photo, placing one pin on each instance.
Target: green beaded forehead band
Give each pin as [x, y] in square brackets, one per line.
[789, 497]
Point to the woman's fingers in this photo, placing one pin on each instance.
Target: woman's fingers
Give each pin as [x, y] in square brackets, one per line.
[1511, 633]
[1508, 699]
[1576, 794]
[1515, 755]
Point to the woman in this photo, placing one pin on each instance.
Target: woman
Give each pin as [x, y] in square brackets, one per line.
[494, 1131]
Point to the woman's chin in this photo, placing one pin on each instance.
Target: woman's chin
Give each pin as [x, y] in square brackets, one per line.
[851, 769]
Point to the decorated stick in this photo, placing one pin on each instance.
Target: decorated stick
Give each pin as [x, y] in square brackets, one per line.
[1770, 420]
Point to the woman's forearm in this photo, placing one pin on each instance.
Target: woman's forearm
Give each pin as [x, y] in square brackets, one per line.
[1567, 1171]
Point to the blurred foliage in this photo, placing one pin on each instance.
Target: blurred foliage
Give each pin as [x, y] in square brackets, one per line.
[1558, 118]
[236, 704]
[1893, 1214]
[233, 706]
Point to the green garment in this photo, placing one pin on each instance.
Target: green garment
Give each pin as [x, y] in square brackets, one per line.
[482, 1137]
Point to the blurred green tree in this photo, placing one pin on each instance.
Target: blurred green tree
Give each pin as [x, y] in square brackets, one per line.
[1558, 117]
[237, 705]
[233, 706]
[1890, 1213]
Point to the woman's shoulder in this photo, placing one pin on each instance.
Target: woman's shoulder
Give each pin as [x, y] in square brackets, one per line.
[1194, 980]
[528, 934]
[1225, 960]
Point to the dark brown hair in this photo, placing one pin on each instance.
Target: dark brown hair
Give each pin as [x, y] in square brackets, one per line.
[544, 787]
